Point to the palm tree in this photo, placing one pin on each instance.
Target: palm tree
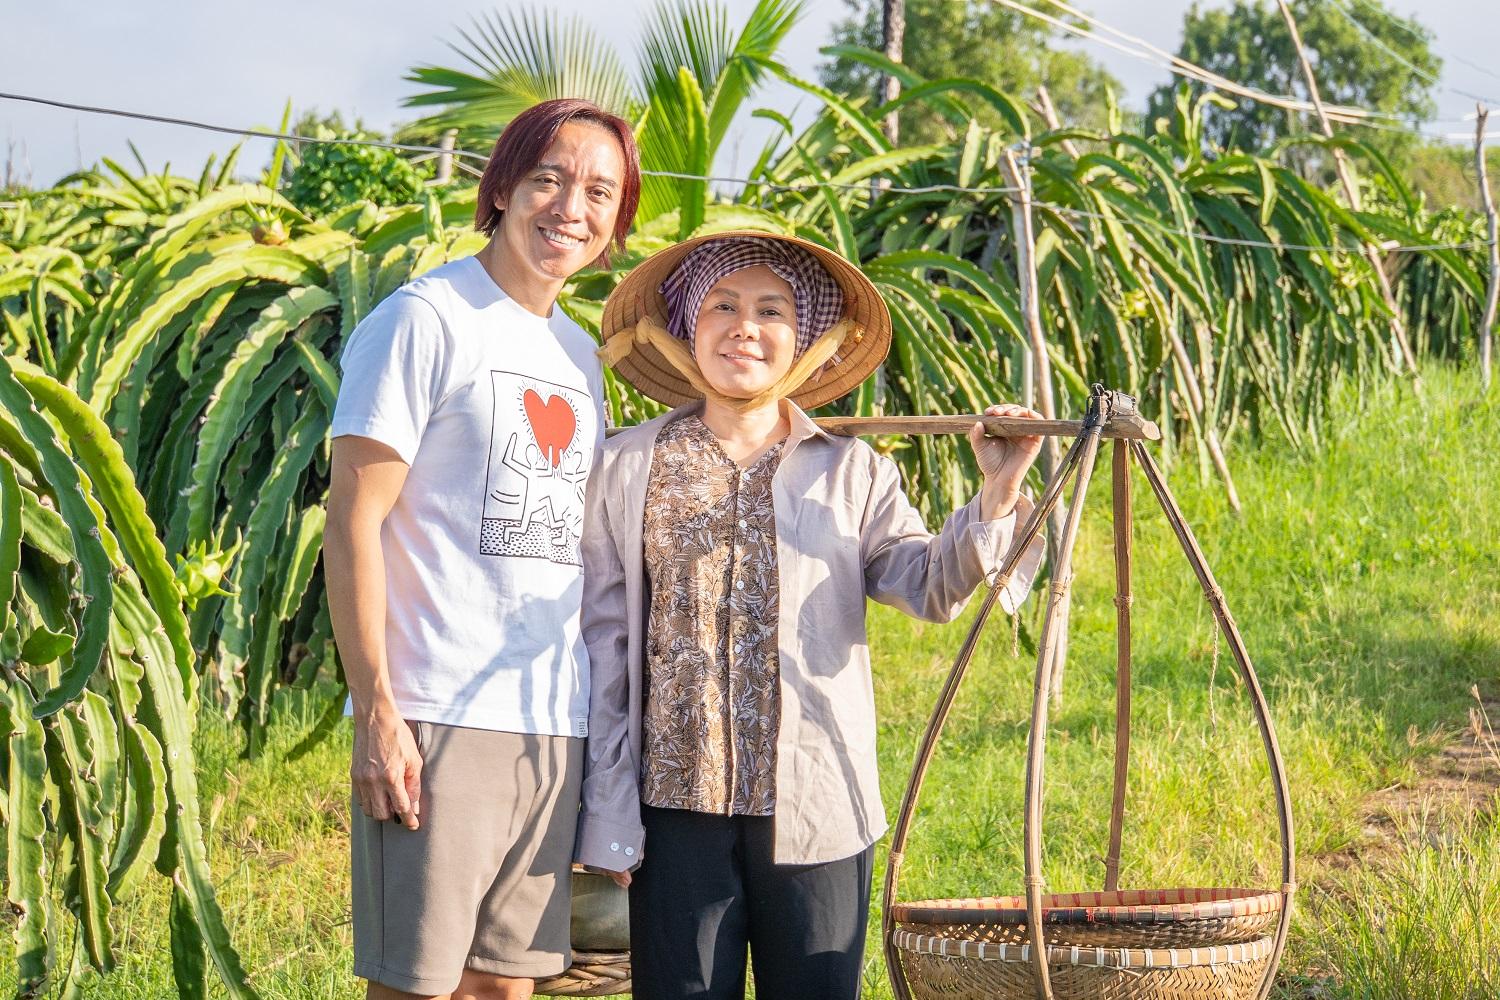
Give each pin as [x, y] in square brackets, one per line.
[694, 73]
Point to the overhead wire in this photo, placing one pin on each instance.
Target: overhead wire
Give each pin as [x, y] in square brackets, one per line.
[428, 151]
[227, 130]
[1419, 36]
[752, 182]
[815, 185]
[1262, 244]
[1146, 51]
[1140, 49]
[1348, 14]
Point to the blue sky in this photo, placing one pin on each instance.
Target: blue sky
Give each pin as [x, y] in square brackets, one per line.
[230, 64]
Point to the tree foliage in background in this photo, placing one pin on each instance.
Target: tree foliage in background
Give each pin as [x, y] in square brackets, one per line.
[1248, 41]
[973, 39]
[326, 177]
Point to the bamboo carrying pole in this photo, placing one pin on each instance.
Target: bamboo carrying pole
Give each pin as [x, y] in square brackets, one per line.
[1127, 426]
[1346, 178]
[1487, 324]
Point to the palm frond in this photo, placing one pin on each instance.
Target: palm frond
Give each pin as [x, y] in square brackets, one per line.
[696, 35]
[516, 60]
[698, 74]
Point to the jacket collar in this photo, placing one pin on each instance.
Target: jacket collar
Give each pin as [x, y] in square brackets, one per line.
[802, 425]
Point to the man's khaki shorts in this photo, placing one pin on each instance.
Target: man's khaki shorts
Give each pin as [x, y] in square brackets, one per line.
[485, 882]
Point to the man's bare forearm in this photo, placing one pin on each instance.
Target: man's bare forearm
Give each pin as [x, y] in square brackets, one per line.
[356, 604]
[367, 479]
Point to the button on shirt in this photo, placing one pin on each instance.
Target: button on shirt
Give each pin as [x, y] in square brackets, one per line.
[712, 709]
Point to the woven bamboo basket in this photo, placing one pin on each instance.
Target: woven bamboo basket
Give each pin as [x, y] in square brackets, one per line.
[1141, 944]
[600, 929]
[592, 974]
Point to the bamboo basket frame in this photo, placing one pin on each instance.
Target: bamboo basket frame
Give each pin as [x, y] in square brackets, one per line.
[1078, 464]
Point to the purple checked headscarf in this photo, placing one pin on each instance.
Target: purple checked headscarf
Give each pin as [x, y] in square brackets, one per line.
[816, 296]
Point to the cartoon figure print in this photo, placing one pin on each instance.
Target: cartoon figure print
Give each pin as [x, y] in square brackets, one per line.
[538, 466]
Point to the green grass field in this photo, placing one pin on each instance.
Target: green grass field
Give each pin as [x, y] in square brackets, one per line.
[1366, 581]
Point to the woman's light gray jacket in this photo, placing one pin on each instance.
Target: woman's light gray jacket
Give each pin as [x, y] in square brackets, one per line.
[844, 531]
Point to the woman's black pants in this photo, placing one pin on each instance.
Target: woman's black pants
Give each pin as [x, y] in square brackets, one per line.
[708, 891]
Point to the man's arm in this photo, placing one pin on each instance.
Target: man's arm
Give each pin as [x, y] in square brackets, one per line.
[386, 770]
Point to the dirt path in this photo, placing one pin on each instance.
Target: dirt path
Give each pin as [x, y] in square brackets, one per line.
[1462, 779]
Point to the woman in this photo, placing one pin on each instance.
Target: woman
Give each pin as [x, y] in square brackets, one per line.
[729, 546]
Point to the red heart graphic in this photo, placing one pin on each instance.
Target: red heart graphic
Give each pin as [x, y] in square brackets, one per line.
[553, 424]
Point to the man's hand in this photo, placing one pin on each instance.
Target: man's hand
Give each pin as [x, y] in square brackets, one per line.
[387, 768]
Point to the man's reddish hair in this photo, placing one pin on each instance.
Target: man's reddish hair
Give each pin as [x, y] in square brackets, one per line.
[526, 138]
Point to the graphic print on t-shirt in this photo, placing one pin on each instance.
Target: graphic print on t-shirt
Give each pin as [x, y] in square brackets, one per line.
[538, 467]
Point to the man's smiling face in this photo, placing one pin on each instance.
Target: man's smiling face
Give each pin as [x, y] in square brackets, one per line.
[561, 215]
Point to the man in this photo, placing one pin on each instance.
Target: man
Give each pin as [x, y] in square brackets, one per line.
[469, 416]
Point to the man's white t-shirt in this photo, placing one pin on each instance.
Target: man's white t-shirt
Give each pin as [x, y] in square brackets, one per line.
[498, 413]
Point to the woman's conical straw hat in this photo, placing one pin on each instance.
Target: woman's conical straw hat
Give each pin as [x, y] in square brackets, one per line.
[645, 368]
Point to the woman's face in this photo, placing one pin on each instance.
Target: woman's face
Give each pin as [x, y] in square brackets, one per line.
[746, 335]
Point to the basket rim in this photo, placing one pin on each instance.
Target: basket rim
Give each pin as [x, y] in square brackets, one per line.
[1121, 906]
[1113, 958]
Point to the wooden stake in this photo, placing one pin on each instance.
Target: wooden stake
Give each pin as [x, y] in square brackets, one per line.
[1205, 419]
[1048, 111]
[1346, 178]
[1018, 176]
[445, 158]
[1025, 241]
[1487, 324]
[893, 27]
